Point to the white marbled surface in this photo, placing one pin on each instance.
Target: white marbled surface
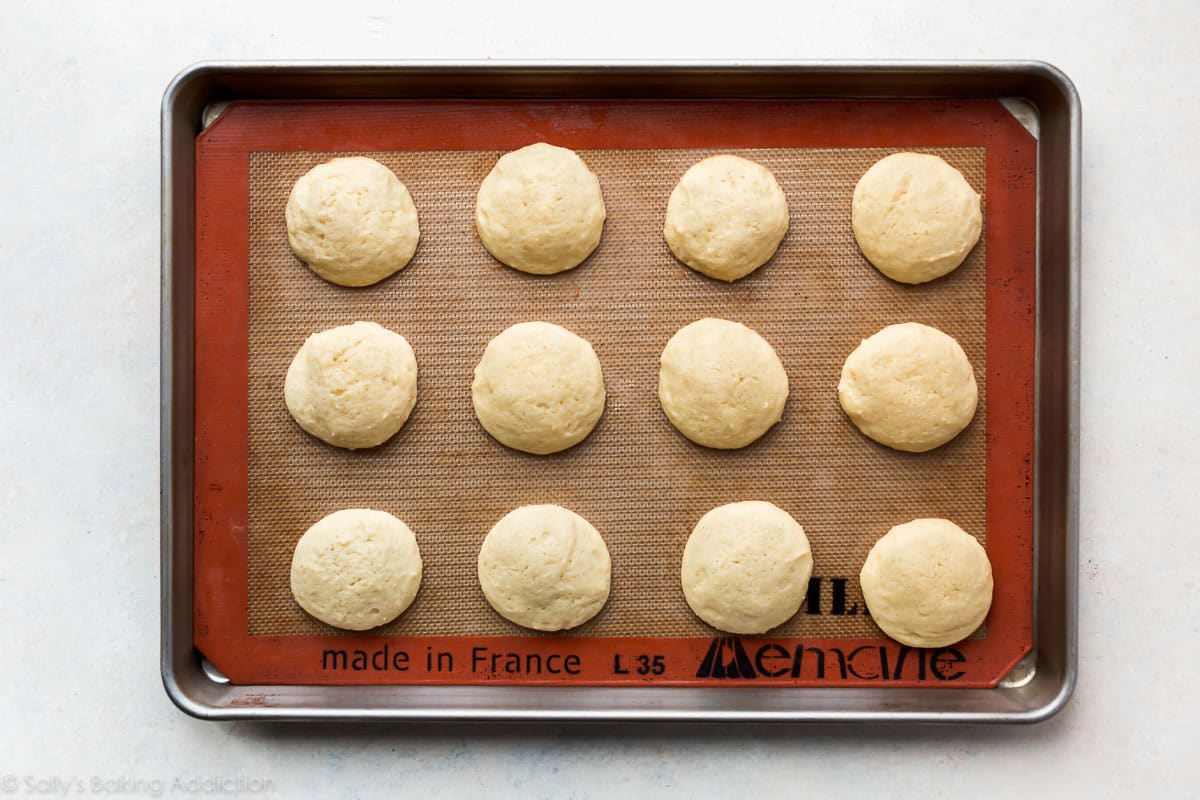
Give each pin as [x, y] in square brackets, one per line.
[80, 695]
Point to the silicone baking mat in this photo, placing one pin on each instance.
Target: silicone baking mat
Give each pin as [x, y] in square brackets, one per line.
[635, 478]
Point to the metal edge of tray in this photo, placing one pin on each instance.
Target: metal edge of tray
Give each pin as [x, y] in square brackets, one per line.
[1056, 475]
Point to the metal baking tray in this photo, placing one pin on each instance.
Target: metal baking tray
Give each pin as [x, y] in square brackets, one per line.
[1037, 94]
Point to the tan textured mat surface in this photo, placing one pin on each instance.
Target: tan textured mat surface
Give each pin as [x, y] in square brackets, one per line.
[641, 483]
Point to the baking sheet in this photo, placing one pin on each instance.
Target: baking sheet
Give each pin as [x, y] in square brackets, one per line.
[290, 654]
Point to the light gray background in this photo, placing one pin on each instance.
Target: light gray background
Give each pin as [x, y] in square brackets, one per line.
[79, 686]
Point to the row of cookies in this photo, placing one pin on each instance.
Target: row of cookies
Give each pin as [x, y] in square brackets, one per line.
[541, 210]
[745, 569]
[539, 388]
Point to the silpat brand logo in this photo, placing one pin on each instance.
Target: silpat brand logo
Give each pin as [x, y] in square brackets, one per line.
[728, 657]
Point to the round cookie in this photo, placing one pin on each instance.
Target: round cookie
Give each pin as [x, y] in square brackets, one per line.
[746, 567]
[721, 384]
[927, 583]
[538, 388]
[352, 386]
[356, 569]
[545, 567]
[726, 217]
[540, 209]
[352, 221]
[915, 217]
[909, 387]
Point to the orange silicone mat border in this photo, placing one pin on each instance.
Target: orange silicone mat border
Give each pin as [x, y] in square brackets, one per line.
[221, 324]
